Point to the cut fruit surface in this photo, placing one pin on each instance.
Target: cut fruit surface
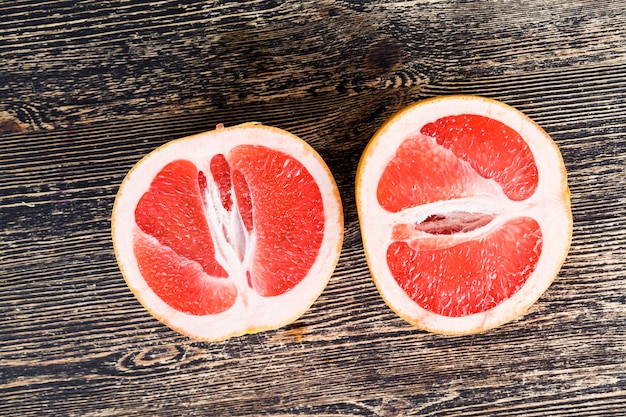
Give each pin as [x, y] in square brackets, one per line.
[464, 211]
[228, 232]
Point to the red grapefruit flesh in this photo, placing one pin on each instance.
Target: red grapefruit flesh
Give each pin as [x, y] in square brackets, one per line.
[464, 212]
[228, 232]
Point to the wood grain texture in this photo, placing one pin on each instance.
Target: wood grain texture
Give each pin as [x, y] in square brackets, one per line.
[88, 88]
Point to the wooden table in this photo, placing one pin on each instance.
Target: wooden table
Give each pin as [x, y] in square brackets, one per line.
[87, 88]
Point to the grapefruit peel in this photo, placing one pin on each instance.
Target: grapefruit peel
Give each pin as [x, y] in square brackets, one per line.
[251, 312]
[549, 204]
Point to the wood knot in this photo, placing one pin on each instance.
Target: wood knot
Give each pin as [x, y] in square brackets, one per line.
[393, 407]
[384, 56]
[19, 118]
[333, 11]
[10, 124]
[151, 358]
[297, 333]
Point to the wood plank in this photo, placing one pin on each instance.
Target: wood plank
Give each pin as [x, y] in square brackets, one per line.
[87, 89]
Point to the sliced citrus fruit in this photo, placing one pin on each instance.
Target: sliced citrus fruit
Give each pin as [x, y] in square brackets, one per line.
[228, 232]
[464, 211]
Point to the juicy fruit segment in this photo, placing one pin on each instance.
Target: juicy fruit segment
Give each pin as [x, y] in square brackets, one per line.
[267, 205]
[220, 171]
[181, 282]
[171, 211]
[289, 221]
[451, 158]
[464, 213]
[456, 157]
[493, 149]
[422, 172]
[179, 263]
[469, 277]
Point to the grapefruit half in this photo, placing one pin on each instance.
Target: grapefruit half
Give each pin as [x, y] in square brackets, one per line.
[464, 211]
[228, 232]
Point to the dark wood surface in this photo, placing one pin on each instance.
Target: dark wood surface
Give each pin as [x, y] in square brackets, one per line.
[87, 88]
